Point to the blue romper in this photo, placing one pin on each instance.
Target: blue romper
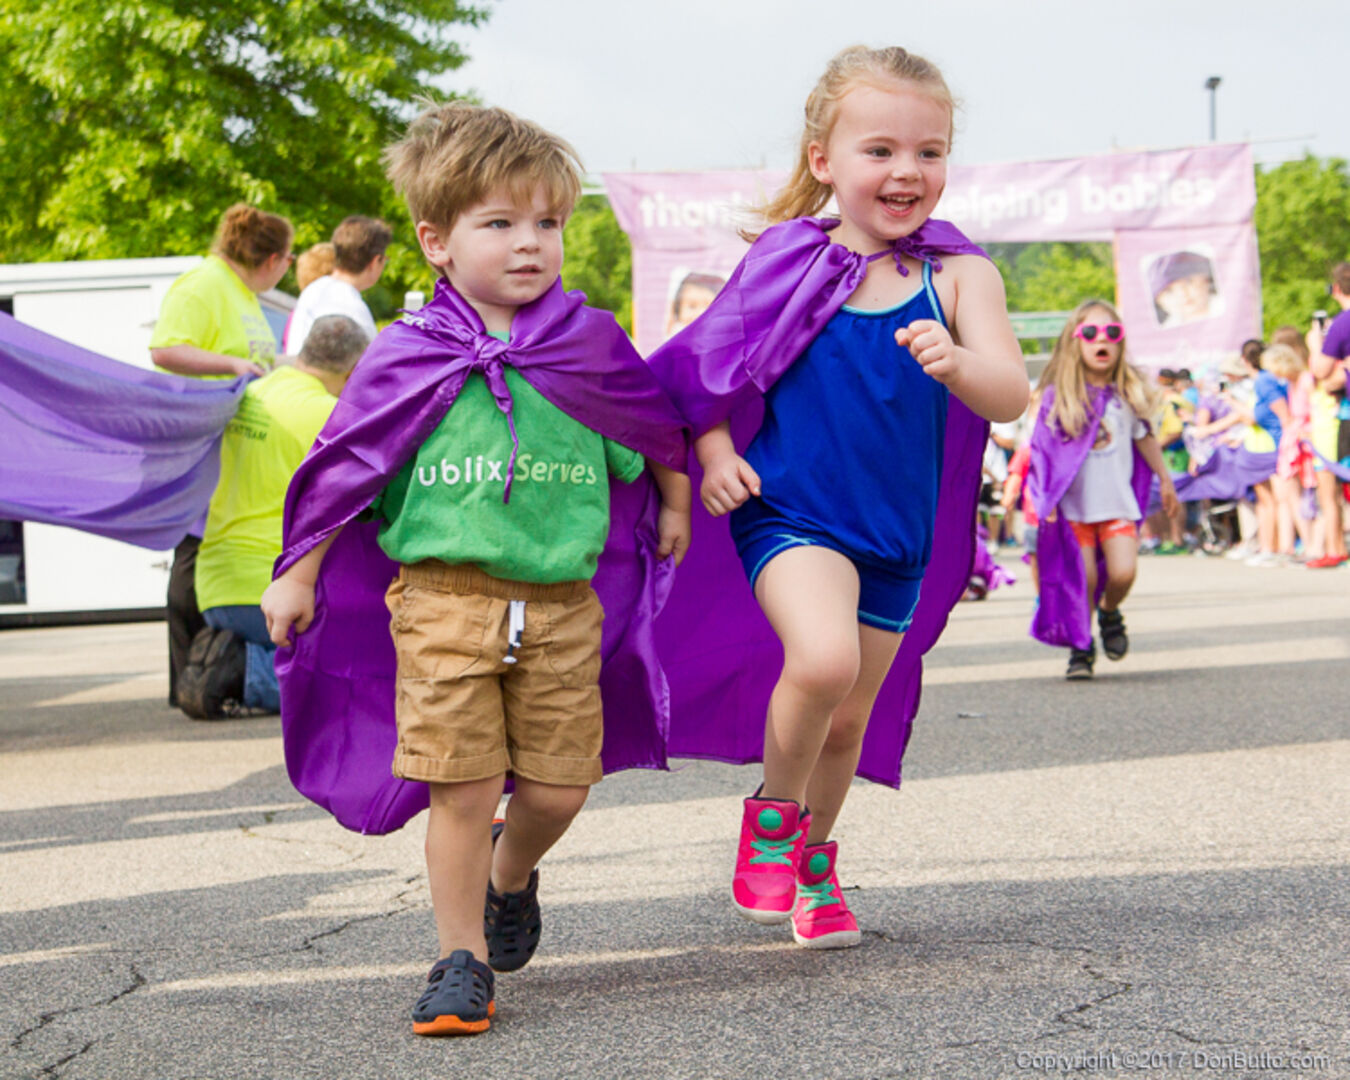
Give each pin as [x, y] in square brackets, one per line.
[850, 458]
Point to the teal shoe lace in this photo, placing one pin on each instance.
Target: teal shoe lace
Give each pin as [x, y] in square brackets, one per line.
[774, 851]
[818, 896]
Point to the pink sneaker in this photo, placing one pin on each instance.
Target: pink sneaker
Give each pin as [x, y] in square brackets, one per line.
[772, 834]
[821, 919]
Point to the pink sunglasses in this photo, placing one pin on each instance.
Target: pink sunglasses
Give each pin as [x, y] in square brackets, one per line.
[1112, 331]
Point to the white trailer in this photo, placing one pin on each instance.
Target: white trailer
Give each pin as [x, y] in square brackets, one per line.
[49, 573]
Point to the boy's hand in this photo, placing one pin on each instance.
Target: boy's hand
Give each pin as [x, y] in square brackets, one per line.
[930, 343]
[287, 602]
[673, 528]
[727, 482]
[1168, 492]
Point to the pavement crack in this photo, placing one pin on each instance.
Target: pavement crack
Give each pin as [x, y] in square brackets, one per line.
[1073, 1017]
[55, 1067]
[46, 1019]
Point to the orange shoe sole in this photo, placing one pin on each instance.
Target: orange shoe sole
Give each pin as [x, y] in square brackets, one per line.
[453, 1025]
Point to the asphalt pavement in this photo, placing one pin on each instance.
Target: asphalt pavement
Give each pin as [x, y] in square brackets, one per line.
[1145, 874]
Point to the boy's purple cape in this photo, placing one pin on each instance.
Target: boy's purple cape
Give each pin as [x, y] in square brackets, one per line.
[1228, 474]
[718, 649]
[337, 683]
[102, 446]
[1062, 613]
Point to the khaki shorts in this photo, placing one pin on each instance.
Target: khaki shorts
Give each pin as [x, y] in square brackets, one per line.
[469, 705]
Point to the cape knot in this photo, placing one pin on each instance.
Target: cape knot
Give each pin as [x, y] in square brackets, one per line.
[487, 352]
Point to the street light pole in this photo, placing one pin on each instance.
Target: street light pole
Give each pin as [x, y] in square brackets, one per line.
[1212, 84]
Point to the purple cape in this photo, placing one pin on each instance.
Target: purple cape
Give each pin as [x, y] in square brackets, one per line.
[98, 445]
[1229, 472]
[1061, 616]
[715, 643]
[337, 683]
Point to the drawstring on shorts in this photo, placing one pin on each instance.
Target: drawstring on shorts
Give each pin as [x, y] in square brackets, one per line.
[515, 630]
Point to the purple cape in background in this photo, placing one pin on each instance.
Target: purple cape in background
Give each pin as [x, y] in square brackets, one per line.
[717, 647]
[337, 683]
[1061, 616]
[98, 445]
[1229, 473]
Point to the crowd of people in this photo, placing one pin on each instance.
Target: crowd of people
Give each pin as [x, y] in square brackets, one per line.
[1258, 448]
[211, 325]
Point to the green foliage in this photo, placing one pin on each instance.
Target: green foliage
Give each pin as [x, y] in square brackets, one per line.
[1054, 276]
[1302, 230]
[599, 259]
[133, 124]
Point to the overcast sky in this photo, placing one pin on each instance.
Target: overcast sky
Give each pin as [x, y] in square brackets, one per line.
[709, 84]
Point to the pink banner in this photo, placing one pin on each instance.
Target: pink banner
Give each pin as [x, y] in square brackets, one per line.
[685, 233]
[1091, 198]
[1181, 221]
[1188, 296]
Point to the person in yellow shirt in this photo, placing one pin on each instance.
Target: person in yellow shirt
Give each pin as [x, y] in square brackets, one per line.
[211, 326]
[230, 663]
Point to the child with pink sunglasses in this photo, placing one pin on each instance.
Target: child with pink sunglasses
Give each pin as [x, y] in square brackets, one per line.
[1092, 460]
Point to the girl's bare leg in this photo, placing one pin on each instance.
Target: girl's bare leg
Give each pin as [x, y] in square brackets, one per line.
[838, 760]
[810, 595]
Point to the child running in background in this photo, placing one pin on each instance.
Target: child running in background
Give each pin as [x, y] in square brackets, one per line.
[864, 351]
[1091, 456]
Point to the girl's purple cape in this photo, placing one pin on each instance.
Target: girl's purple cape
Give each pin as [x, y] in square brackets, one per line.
[1062, 612]
[718, 649]
[337, 682]
[98, 445]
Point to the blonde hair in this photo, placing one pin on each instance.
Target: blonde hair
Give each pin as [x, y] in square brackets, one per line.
[249, 236]
[803, 194]
[1065, 374]
[315, 263]
[1283, 361]
[454, 155]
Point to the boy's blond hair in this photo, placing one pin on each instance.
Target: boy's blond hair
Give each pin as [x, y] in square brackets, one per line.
[454, 155]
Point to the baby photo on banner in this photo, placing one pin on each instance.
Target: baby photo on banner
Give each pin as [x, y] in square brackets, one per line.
[1189, 296]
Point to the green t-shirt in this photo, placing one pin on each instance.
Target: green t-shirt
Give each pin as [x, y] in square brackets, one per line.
[446, 503]
[279, 417]
[209, 307]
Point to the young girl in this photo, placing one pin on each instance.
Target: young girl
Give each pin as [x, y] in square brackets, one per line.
[864, 356]
[1287, 360]
[1091, 456]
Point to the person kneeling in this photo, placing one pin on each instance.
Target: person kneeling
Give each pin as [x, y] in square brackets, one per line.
[229, 670]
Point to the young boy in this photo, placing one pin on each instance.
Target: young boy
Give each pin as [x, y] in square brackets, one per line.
[496, 512]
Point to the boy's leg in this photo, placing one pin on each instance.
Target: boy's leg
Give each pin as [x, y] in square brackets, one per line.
[838, 761]
[810, 596]
[459, 858]
[537, 815]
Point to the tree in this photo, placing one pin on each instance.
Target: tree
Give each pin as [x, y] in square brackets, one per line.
[1054, 276]
[1302, 231]
[132, 124]
[599, 258]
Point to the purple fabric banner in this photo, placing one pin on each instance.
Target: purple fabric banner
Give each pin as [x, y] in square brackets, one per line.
[1093, 198]
[98, 445]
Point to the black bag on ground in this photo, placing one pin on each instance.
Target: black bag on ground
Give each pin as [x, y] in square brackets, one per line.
[211, 684]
